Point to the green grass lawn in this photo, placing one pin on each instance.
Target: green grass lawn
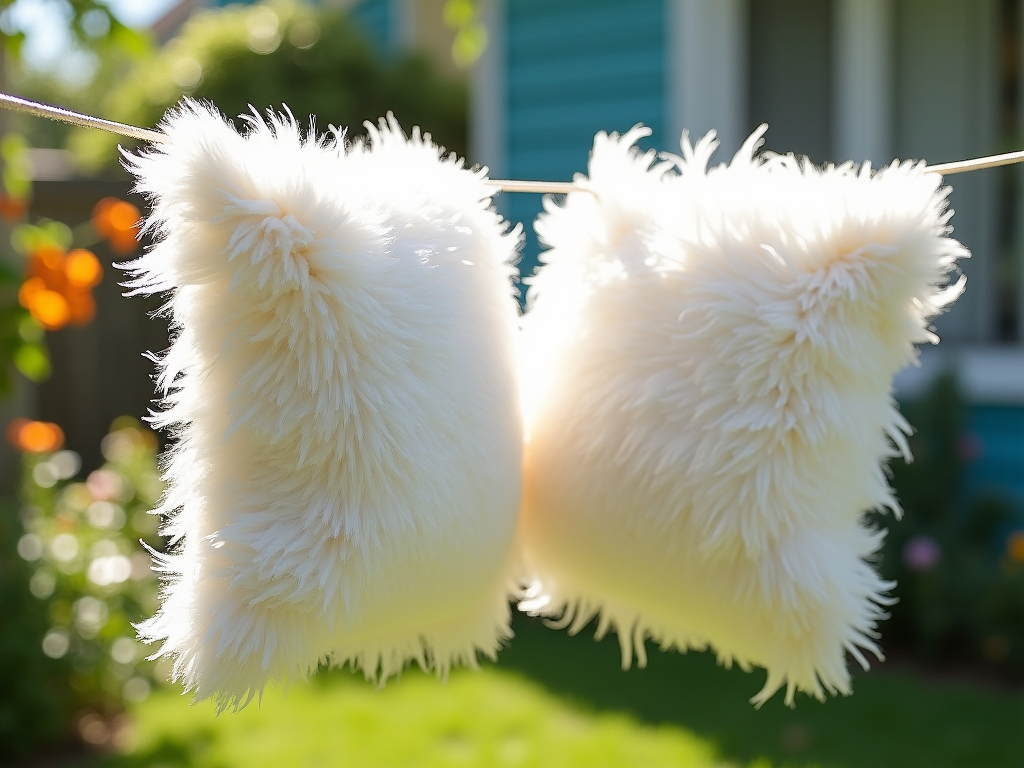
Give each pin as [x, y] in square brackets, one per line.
[561, 701]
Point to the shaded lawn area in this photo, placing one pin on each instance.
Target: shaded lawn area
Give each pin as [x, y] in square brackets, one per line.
[562, 701]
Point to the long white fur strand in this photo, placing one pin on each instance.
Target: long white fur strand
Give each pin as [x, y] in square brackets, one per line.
[708, 362]
[342, 384]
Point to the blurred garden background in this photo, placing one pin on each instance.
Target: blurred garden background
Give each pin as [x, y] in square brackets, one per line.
[522, 86]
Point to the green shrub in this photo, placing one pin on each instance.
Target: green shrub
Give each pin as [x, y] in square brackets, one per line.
[316, 61]
[960, 576]
[33, 688]
[80, 577]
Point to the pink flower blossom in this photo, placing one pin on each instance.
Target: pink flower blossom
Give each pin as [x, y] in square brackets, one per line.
[103, 484]
[922, 554]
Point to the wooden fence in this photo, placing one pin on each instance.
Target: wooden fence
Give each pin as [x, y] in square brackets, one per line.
[99, 372]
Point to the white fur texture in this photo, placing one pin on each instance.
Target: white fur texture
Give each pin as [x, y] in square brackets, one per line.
[708, 362]
[342, 383]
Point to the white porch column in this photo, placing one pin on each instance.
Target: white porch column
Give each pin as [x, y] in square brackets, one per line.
[707, 71]
[488, 97]
[863, 74]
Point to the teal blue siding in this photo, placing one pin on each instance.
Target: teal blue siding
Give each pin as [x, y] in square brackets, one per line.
[573, 68]
[374, 16]
[999, 467]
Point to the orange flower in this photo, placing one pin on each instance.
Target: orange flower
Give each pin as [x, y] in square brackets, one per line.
[123, 243]
[111, 216]
[100, 215]
[50, 309]
[82, 268]
[11, 208]
[82, 307]
[14, 429]
[1015, 546]
[47, 258]
[29, 289]
[35, 436]
[47, 264]
[122, 216]
[57, 289]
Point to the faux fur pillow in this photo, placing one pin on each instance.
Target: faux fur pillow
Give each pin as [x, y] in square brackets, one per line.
[342, 385]
[708, 399]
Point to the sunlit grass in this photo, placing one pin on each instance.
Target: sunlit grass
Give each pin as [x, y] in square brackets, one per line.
[495, 718]
[561, 701]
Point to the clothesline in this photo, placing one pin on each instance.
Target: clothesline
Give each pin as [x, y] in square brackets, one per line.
[50, 112]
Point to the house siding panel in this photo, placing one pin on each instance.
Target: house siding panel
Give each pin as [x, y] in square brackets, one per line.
[573, 68]
[999, 466]
[791, 75]
[945, 109]
[374, 16]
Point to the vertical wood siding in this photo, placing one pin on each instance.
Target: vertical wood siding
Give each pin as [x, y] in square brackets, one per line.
[790, 75]
[945, 109]
[374, 16]
[999, 468]
[573, 68]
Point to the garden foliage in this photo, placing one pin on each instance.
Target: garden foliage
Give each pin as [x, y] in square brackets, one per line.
[957, 557]
[73, 578]
[317, 61]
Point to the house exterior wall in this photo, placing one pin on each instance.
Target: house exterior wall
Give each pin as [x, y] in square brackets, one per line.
[707, 57]
[945, 82]
[397, 26]
[790, 80]
[572, 68]
[997, 430]
[944, 74]
[836, 80]
[376, 17]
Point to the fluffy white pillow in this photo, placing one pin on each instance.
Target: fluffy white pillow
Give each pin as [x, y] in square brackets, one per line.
[708, 362]
[342, 386]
